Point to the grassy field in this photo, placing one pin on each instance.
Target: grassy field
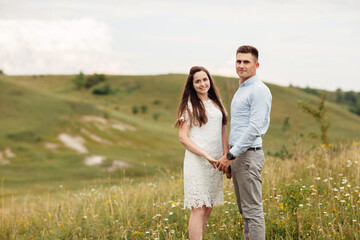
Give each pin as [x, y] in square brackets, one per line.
[315, 197]
[48, 192]
[35, 110]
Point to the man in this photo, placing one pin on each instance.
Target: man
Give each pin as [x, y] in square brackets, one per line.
[250, 119]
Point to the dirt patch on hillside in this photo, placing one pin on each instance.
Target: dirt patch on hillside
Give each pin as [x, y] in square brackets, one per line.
[5, 156]
[9, 153]
[94, 160]
[98, 160]
[123, 127]
[94, 119]
[76, 143]
[117, 164]
[124, 143]
[94, 137]
[51, 146]
[3, 160]
[104, 124]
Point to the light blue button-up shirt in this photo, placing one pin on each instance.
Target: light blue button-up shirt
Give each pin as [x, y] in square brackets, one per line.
[250, 115]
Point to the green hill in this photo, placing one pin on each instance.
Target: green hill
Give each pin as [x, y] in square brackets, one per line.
[128, 133]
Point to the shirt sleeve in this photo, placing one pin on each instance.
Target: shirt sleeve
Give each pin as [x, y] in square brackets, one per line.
[260, 107]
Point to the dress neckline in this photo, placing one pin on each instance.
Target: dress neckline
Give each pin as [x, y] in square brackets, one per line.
[207, 100]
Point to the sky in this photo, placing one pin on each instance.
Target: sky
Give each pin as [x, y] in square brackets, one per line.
[304, 43]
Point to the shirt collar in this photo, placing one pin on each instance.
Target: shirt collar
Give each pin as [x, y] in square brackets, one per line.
[249, 81]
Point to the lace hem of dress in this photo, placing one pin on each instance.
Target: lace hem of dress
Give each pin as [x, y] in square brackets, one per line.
[199, 204]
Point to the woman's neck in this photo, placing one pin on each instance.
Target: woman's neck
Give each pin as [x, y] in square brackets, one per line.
[203, 97]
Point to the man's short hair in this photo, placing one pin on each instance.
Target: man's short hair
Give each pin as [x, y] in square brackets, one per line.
[248, 49]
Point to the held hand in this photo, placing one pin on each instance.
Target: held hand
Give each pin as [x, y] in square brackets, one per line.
[228, 173]
[212, 162]
[223, 163]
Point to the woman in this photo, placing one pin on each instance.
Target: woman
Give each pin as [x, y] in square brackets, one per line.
[202, 130]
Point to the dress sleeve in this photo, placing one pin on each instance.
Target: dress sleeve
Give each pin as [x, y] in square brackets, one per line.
[185, 117]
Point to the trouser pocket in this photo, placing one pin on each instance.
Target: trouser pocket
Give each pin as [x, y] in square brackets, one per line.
[254, 162]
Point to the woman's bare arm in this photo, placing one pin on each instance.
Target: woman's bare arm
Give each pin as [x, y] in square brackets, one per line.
[225, 140]
[191, 146]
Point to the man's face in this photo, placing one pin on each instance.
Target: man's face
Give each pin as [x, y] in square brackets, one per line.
[246, 66]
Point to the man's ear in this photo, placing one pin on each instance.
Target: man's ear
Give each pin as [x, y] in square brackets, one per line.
[257, 64]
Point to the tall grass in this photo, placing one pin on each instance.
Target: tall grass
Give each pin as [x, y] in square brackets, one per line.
[314, 197]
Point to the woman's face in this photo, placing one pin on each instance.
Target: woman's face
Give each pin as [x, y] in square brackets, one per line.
[201, 83]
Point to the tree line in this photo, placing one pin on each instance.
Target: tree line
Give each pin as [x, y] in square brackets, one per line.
[349, 98]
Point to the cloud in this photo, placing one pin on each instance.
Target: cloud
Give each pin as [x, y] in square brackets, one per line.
[60, 46]
[302, 42]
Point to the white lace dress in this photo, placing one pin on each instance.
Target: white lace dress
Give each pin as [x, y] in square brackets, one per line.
[203, 183]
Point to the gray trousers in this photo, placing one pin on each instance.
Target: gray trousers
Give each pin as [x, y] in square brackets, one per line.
[246, 174]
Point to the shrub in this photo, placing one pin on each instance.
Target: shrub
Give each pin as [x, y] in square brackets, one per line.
[283, 153]
[135, 109]
[350, 97]
[94, 80]
[156, 116]
[25, 136]
[79, 81]
[311, 91]
[339, 95]
[143, 108]
[102, 90]
[156, 102]
[319, 115]
[355, 110]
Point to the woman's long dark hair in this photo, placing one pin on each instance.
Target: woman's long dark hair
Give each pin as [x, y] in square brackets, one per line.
[198, 115]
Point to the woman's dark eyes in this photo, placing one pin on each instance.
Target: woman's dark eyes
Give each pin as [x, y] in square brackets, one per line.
[205, 80]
